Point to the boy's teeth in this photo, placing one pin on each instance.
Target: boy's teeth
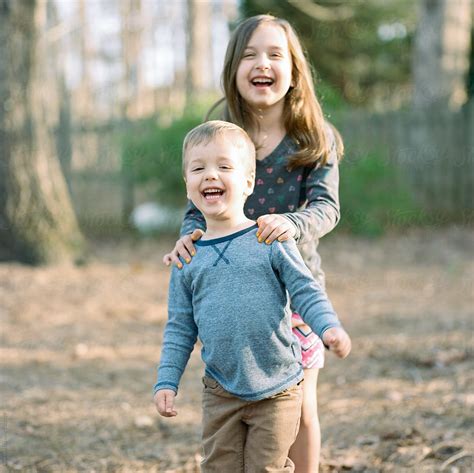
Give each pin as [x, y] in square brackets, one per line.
[212, 193]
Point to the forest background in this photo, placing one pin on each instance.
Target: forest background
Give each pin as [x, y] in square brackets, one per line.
[95, 99]
[99, 94]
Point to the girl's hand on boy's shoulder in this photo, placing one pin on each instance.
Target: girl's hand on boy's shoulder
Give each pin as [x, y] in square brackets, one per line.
[183, 248]
[164, 402]
[273, 227]
[338, 341]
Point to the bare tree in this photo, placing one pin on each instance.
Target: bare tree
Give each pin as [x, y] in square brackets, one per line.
[84, 99]
[131, 36]
[63, 128]
[441, 53]
[37, 221]
[198, 62]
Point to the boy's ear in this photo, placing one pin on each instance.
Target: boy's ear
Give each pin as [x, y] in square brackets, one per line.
[250, 184]
[186, 183]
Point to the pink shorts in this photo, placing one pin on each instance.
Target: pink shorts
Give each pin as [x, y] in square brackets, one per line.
[312, 348]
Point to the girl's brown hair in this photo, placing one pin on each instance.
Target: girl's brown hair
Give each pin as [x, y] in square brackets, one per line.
[303, 117]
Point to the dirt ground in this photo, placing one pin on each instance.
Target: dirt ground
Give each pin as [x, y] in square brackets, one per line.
[79, 346]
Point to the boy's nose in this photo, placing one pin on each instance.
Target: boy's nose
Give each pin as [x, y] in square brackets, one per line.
[211, 175]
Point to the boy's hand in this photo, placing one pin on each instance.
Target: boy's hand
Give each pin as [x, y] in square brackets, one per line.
[273, 226]
[164, 402]
[338, 341]
[184, 247]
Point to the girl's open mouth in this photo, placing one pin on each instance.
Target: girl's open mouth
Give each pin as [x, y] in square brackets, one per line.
[262, 82]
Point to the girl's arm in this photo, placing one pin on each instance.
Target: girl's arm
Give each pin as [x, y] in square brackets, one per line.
[322, 212]
[192, 228]
[192, 220]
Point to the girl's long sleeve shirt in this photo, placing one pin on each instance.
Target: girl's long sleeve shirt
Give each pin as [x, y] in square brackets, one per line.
[308, 197]
[234, 297]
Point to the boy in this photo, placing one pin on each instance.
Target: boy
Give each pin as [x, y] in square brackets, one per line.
[234, 296]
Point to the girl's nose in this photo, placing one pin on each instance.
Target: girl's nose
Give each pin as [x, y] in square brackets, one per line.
[263, 63]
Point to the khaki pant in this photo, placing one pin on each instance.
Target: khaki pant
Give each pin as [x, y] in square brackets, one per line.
[249, 436]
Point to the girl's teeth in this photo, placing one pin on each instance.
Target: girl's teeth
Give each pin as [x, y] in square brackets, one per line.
[262, 82]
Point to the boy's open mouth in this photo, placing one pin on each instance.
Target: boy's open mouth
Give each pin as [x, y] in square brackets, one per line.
[262, 82]
[212, 193]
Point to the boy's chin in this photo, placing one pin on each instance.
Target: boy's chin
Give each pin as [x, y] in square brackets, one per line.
[218, 216]
[217, 212]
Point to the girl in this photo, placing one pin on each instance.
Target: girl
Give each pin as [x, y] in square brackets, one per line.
[269, 92]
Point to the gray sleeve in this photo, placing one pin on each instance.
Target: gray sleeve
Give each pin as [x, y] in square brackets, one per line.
[193, 219]
[307, 296]
[180, 333]
[322, 212]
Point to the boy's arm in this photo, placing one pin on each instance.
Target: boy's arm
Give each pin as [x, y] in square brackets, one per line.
[307, 296]
[180, 333]
[322, 212]
[193, 219]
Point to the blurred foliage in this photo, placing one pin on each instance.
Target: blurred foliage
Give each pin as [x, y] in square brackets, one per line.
[372, 193]
[350, 55]
[374, 197]
[151, 154]
[330, 99]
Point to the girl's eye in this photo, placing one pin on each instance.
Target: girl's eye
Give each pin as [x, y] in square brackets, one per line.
[248, 54]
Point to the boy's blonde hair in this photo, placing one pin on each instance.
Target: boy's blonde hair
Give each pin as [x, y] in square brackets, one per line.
[208, 131]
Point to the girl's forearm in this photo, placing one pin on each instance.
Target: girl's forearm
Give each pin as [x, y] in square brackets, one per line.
[322, 211]
[192, 220]
[315, 221]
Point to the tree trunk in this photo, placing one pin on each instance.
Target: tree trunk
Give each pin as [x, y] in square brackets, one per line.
[84, 103]
[63, 130]
[199, 67]
[131, 35]
[441, 52]
[37, 221]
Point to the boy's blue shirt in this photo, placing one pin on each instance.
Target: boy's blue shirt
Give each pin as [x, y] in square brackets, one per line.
[309, 197]
[234, 297]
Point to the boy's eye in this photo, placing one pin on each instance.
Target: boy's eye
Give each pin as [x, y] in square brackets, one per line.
[198, 168]
[225, 166]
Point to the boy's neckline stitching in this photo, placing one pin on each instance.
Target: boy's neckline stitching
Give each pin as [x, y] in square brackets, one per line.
[214, 241]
